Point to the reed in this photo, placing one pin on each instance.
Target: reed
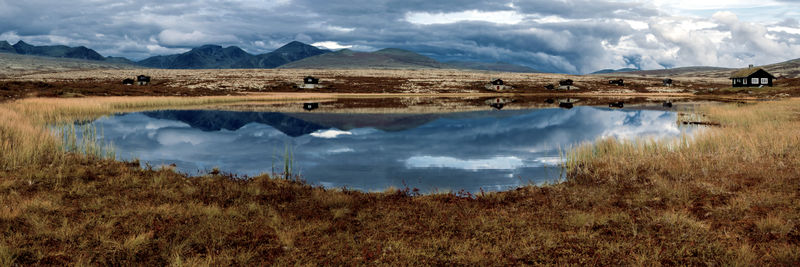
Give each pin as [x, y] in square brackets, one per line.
[26, 134]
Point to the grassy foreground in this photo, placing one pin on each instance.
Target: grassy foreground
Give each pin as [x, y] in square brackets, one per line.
[730, 196]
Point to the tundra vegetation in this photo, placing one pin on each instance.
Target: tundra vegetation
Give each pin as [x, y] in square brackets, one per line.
[727, 196]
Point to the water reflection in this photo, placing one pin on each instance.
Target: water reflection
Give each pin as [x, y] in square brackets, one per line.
[492, 150]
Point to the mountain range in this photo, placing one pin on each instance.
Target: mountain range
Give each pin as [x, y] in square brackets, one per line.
[299, 55]
[390, 58]
[292, 55]
[217, 57]
[23, 48]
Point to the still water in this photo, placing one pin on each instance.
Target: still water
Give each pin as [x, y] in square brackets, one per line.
[490, 150]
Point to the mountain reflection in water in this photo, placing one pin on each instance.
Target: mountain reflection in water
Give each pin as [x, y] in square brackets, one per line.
[489, 150]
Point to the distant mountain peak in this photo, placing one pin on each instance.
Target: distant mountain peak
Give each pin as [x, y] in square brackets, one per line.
[295, 46]
[23, 48]
[295, 43]
[215, 56]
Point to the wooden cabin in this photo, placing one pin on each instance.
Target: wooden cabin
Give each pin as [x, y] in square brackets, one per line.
[567, 85]
[751, 77]
[497, 85]
[309, 82]
[619, 82]
[143, 80]
[128, 81]
[667, 82]
[310, 106]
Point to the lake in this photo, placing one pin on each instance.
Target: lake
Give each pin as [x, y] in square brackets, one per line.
[488, 150]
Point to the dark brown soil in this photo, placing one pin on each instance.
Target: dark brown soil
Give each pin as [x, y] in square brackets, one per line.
[10, 90]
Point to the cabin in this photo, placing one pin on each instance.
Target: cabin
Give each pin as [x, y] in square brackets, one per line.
[566, 85]
[309, 82]
[751, 77]
[619, 82]
[128, 81]
[143, 80]
[667, 82]
[310, 106]
[497, 85]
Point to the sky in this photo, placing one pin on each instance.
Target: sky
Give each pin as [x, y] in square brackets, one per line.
[563, 36]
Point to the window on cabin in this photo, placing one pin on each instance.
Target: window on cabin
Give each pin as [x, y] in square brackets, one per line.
[764, 81]
[754, 81]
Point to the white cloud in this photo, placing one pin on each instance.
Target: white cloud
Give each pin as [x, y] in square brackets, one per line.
[331, 45]
[499, 17]
[332, 133]
[11, 37]
[340, 150]
[340, 29]
[496, 163]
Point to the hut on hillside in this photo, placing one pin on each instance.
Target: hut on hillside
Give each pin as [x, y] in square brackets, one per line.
[143, 80]
[309, 82]
[310, 106]
[751, 77]
[667, 82]
[618, 82]
[128, 81]
[566, 85]
[497, 85]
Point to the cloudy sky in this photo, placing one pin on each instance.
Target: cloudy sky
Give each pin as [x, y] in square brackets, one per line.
[569, 36]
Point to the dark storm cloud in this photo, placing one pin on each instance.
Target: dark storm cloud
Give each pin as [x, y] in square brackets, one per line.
[573, 36]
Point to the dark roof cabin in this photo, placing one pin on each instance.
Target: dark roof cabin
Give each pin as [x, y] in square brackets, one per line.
[143, 80]
[751, 77]
[128, 81]
[310, 106]
[310, 80]
[497, 85]
[566, 82]
[619, 82]
[667, 82]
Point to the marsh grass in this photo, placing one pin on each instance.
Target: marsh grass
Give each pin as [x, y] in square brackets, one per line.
[727, 196]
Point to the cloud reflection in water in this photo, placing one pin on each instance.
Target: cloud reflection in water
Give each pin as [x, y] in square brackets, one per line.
[492, 150]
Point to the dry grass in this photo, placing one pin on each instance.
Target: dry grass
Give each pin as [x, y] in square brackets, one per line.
[372, 81]
[726, 197]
